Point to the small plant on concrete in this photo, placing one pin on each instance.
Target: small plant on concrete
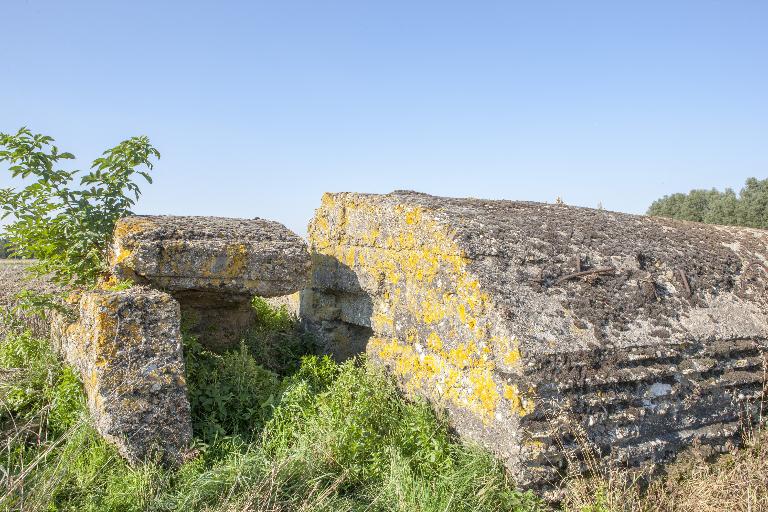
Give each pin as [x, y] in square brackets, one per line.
[66, 227]
[114, 284]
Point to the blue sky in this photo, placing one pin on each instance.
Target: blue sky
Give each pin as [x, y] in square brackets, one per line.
[260, 107]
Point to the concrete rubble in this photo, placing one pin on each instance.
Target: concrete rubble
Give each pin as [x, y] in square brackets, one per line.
[126, 346]
[126, 343]
[213, 266]
[549, 334]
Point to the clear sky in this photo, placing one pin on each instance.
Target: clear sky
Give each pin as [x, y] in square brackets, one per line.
[259, 107]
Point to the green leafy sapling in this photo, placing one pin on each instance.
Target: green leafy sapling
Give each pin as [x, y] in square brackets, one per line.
[67, 228]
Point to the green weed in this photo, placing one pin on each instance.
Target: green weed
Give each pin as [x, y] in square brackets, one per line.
[325, 436]
[277, 342]
[229, 393]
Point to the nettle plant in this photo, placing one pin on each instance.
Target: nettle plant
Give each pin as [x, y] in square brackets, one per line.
[67, 228]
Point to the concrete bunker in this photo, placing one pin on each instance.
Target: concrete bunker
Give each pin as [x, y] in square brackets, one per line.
[535, 324]
[126, 343]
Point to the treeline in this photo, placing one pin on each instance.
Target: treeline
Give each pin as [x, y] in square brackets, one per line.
[5, 249]
[747, 208]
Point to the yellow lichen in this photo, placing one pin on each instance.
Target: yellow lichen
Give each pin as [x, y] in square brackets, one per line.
[484, 389]
[434, 342]
[518, 404]
[413, 216]
[462, 313]
[382, 322]
[459, 356]
[123, 255]
[424, 278]
[131, 225]
[512, 357]
[350, 257]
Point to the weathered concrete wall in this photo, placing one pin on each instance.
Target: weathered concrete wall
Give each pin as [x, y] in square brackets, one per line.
[126, 346]
[533, 323]
[212, 265]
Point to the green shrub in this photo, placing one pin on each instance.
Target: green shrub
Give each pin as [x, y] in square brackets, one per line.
[67, 229]
[347, 427]
[5, 249]
[270, 318]
[117, 285]
[35, 386]
[229, 393]
[341, 438]
[277, 341]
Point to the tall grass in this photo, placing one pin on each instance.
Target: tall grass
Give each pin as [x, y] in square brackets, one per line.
[302, 435]
[322, 437]
[735, 482]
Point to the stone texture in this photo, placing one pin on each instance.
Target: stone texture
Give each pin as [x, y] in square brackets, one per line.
[210, 255]
[213, 266]
[126, 346]
[540, 326]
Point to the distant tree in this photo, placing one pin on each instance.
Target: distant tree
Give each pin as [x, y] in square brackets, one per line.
[752, 209]
[669, 206]
[722, 209]
[748, 208]
[6, 249]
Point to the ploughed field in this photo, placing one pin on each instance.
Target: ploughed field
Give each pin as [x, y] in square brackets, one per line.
[11, 277]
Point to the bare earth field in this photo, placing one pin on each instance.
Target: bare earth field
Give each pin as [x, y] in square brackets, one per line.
[12, 278]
